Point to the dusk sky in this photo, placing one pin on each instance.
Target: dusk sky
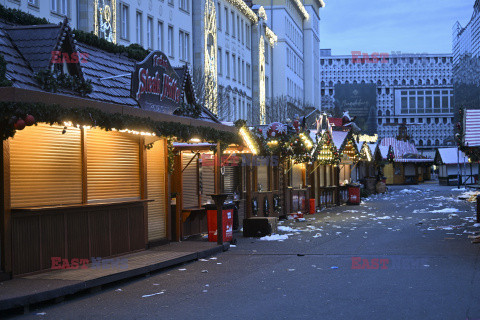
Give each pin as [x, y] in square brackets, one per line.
[410, 26]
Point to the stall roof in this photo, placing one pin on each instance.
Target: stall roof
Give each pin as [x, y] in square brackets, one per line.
[449, 156]
[28, 49]
[404, 151]
[338, 137]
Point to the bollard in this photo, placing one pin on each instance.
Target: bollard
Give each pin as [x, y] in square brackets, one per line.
[478, 208]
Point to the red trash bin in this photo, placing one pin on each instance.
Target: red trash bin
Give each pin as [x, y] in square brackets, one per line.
[227, 222]
[312, 206]
[353, 195]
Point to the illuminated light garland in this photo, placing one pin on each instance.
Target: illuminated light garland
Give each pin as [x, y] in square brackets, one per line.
[367, 138]
[306, 141]
[302, 9]
[248, 140]
[262, 14]
[261, 73]
[245, 9]
[322, 4]
[210, 59]
[272, 37]
[141, 133]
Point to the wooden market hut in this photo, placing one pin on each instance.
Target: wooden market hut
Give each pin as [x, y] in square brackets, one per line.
[325, 174]
[451, 162]
[401, 162]
[95, 182]
[366, 166]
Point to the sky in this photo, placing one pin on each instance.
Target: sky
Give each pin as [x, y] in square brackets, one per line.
[409, 26]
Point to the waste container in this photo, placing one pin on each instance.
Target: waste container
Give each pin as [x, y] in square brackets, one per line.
[312, 206]
[227, 222]
[353, 195]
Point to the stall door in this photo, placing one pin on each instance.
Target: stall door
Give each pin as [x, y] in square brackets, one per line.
[297, 175]
[190, 180]
[156, 188]
[262, 174]
[208, 177]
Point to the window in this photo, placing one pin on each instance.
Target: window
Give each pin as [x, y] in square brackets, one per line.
[249, 76]
[234, 77]
[170, 41]
[150, 32]
[219, 10]
[243, 72]
[160, 36]
[123, 21]
[267, 51]
[220, 64]
[139, 28]
[266, 87]
[184, 5]
[243, 32]
[227, 27]
[33, 3]
[170, 2]
[239, 66]
[59, 7]
[227, 65]
[248, 35]
[238, 27]
[233, 23]
[184, 46]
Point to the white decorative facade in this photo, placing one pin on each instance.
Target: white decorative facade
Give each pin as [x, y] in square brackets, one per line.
[412, 89]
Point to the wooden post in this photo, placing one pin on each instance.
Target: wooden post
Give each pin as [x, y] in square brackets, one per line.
[143, 184]
[168, 199]
[5, 217]
[177, 180]
[217, 172]
[248, 186]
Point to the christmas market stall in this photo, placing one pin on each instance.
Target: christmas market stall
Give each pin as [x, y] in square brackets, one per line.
[452, 164]
[401, 163]
[88, 146]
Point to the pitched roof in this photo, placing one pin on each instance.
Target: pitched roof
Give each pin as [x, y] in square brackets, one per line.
[36, 43]
[450, 156]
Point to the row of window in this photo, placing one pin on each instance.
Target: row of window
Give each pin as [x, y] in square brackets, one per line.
[294, 90]
[385, 59]
[294, 62]
[236, 68]
[436, 101]
[155, 34]
[238, 28]
[293, 33]
[413, 120]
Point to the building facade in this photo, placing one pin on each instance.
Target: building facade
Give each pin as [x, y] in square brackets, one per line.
[413, 89]
[466, 40]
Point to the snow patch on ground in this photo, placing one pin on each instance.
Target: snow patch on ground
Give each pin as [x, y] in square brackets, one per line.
[287, 229]
[274, 237]
[445, 210]
[410, 191]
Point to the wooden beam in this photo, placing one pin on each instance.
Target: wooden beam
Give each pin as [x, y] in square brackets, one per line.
[5, 202]
[168, 199]
[143, 182]
[177, 177]
[217, 169]
[248, 186]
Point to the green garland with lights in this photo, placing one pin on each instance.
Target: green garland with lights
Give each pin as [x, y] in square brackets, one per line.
[327, 140]
[51, 81]
[54, 114]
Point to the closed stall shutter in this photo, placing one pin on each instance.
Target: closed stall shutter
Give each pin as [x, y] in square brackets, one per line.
[297, 175]
[189, 180]
[46, 167]
[156, 184]
[262, 173]
[113, 166]
[208, 176]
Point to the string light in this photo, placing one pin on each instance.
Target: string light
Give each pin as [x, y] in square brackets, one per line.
[272, 37]
[248, 140]
[142, 133]
[302, 9]
[245, 9]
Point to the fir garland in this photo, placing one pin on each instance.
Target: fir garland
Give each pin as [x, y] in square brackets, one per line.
[189, 110]
[19, 17]
[3, 71]
[55, 114]
[51, 81]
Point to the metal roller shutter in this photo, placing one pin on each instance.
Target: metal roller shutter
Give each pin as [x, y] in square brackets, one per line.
[156, 184]
[297, 175]
[189, 181]
[208, 176]
[113, 165]
[46, 166]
